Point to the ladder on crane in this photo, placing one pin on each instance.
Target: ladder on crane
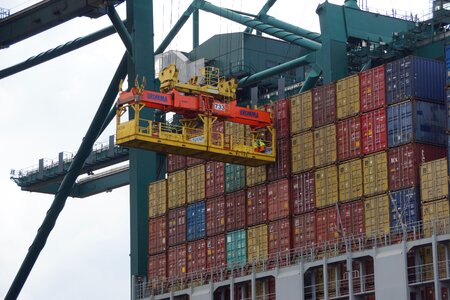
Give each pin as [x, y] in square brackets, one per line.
[202, 106]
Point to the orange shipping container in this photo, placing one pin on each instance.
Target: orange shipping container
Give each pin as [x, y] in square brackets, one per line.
[157, 198]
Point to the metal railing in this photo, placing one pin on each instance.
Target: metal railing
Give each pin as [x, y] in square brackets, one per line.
[305, 254]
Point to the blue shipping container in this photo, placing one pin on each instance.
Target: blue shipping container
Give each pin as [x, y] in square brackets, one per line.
[447, 64]
[236, 249]
[195, 220]
[405, 209]
[414, 77]
[416, 121]
[448, 109]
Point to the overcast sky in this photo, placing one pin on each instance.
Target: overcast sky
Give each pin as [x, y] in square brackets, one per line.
[47, 109]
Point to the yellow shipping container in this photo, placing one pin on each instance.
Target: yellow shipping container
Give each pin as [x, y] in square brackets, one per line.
[434, 211]
[426, 255]
[325, 145]
[433, 180]
[301, 112]
[255, 175]
[350, 180]
[237, 133]
[257, 243]
[326, 186]
[176, 189]
[375, 174]
[376, 215]
[195, 183]
[302, 152]
[347, 97]
[157, 198]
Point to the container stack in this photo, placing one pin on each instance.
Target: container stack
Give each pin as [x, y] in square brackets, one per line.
[348, 157]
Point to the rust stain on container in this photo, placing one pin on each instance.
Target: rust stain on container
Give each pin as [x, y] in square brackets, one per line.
[215, 216]
[326, 186]
[157, 198]
[375, 174]
[303, 193]
[349, 138]
[278, 199]
[350, 180]
[434, 180]
[235, 210]
[302, 152]
[195, 177]
[157, 235]
[347, 96]
[325, 145]
[301, 112]
[176, 189]
[257, 205]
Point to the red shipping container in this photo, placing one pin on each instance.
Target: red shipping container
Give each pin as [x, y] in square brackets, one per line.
[215, 179]
[303, 230]
[176, 261]
[216, 252]
[281, 117]
[282, 166]
[349, 138]
[157, 267]
[176, 230]
[324, 104]
[352, 219]
[303, 192]
[235, 210]
[192, 161]
[175, 162]
[256, 205]
[326, 225]
[278, 199]
[373, 131]
[157, 235]
[215, 216]
[196, 256]
[372, 89]
[279, 235]
[403, 162]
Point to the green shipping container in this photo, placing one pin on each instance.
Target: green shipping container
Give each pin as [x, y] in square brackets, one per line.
[234, 177]
[236, 249]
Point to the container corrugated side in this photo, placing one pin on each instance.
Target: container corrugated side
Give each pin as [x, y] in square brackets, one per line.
[301, 112]
[196, 256]
[303, 193]
[215, 216]
[235, 210]
[352, 218]
[325, 152]
[375, 174]
[157, 198]
[432, 211]
[157, 268]
[372, 89]
[416, 121]
[176, 189]
[234, 177]
[257, 204]
[192, 161]
[195, 183]
[326, 186]
[347, 97]
[434, 180]
[374, 131]
[175, 162]
[195, 221]
[349, 138]
[324, 104]
[282, 166]
[176, 261]
[236, 249]
[216, 252]
[303, 230]
[350, 180]
[278, 199]
[376, 215]
[326, 224]
[302, 152]
[235, 133]
[176, 226]
[414, 77]
[404, 209]
[403, 162]
[279, 236]
[215, 179]
[281, 117]
[257, 243]
[256, 175]
[447, 64]
[157, 235]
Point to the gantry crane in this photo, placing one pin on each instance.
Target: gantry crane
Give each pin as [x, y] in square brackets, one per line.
[202, 103]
